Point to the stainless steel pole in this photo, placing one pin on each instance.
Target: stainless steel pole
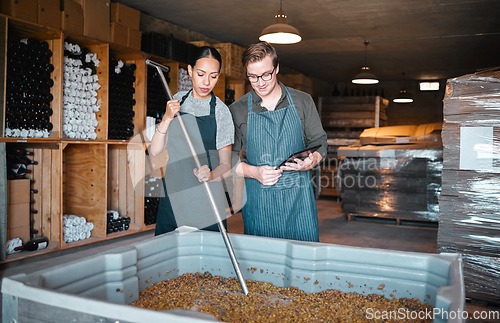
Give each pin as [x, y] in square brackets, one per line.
[222, 230]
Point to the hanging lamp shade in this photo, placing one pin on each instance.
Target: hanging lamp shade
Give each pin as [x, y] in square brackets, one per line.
[403, 97]
[280, 32]
[365, 77]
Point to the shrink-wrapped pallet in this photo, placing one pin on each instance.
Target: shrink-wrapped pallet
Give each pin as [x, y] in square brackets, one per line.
[400, 180]
[470, 199]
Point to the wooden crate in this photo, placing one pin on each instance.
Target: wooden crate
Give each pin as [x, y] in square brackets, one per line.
[140, 86]
[220, 89]
[299, 79]
[47, 176]
[200, 43]
[102, 51]
[231, 60]
[85, 186]
[124, 195]
[13, 30]
[355, 112]
[173, 74]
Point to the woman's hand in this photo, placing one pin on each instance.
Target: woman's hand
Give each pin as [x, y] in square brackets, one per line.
[173, 106]
[203, 174]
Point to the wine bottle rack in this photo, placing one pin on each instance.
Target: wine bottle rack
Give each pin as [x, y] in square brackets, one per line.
[87, 175]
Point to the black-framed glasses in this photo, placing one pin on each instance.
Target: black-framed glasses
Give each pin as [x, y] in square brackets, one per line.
[265, 77]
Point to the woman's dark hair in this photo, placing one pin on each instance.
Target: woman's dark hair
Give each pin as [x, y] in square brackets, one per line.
[205, 51]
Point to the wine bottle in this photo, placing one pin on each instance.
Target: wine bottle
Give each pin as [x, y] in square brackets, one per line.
[34, 244]
[20, 169]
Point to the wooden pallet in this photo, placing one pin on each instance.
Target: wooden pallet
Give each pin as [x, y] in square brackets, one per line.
[390, 220]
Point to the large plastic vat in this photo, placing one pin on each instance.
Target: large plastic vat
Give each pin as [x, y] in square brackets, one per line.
[98, 288]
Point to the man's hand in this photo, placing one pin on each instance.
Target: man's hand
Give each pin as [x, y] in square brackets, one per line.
[309, 163]
[268, 175]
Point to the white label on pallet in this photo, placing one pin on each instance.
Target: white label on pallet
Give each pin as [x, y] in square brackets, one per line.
[479, 149]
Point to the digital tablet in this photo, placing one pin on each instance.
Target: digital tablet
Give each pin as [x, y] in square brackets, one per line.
[303, 154]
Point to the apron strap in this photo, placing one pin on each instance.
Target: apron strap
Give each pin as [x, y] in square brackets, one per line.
[289, 98]
[249, 102]
[213, 102]
[185, 96]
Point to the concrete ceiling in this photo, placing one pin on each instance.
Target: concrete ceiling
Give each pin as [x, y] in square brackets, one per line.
[425, 39]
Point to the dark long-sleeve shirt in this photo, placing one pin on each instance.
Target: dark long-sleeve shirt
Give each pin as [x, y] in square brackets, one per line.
[306, 109]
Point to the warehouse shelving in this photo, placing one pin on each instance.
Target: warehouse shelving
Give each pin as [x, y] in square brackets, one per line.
[80, 176]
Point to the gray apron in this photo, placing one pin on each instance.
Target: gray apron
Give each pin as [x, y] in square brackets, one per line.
[186, 201]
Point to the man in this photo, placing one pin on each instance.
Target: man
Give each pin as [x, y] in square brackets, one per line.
[271, 123]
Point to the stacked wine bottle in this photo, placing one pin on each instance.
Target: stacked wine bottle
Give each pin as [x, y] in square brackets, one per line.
[229, 96]
[151, 209]
[81, 83]
[116, 223]
[153, 190]
[28, 99]
[76, 228]
[157, 97]
[18, 162]
[185, 83]
[121, 100]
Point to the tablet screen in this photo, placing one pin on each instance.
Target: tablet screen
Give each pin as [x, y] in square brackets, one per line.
[303, 154]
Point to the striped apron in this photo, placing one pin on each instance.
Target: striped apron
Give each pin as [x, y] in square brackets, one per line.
[287, 209]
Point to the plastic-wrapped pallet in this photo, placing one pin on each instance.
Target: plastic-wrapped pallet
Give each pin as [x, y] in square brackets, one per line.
[469, 203]
[400, 181]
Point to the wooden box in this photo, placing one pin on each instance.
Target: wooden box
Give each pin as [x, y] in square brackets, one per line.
[18, 191]
[18, 215]
[49, 12]
[124, 195]
[96, 19]
[119, 34]
[200, 43]
[20, 232]
[134, 39]
[84, 182]
[22, 9]
[301, 80]
[125, 15]
[353, 112]
[18, 209]
[72, 17]
[231, 60]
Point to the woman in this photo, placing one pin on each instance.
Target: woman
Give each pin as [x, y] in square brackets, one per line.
[211, 129]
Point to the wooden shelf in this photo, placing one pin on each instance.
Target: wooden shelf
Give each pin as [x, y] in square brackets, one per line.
[77, 176]
[87, 177]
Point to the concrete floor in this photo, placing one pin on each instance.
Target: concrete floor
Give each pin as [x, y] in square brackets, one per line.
[333, 228]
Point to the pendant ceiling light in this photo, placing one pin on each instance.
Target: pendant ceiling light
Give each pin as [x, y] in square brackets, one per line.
[365, 77]
[280, 32]
[403, 96]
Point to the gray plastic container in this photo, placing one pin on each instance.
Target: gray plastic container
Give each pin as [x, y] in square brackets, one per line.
[98, 288]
